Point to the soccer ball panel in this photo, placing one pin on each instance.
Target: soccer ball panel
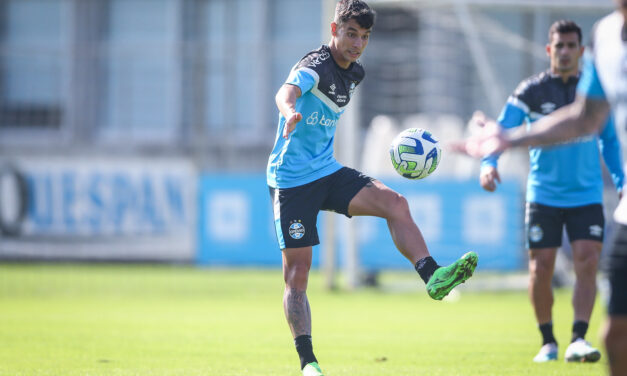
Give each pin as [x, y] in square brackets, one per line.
[415, 153]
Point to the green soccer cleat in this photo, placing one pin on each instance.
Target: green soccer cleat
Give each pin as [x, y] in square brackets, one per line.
[312, 369]
[445, 278]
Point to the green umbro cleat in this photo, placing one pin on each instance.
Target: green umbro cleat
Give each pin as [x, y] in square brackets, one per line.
[445, 279]
[312, 369]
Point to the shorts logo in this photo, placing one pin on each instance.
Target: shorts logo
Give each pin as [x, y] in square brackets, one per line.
[596, 230]
[535, 233]
[297, 230]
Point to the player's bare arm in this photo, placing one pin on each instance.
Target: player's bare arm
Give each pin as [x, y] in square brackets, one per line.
[286, 102]
[584, 116]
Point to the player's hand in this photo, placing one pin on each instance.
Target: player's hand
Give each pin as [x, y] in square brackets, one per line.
[290, 123]
[487, 138]
[488, 178]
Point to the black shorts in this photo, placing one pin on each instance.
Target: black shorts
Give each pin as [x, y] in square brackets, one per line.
[545, 224]
[296, 209]
[617, 273]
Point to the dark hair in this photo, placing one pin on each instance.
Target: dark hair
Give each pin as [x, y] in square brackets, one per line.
[356, 10]
[564, 26]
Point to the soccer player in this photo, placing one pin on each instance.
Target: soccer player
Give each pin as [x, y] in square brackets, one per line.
[304, 177]
[564, 189]
[602, 89]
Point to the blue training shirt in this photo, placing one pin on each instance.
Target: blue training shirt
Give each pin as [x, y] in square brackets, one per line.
[569, 174]
[307, 154]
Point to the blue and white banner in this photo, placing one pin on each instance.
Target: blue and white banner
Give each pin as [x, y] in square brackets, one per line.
[236, 225]
[89, 208]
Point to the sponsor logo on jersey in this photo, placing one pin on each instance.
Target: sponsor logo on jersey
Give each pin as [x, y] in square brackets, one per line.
[297, 230]
[547, 107]
[315, 119]
[319, 59]
[596, 230]
[332, 89]
[535, 233]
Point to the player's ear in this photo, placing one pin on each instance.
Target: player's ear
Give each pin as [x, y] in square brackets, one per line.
[333, 29]
[548, 50]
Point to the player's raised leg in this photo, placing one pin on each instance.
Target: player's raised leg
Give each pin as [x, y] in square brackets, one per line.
[296, 265]
[376, 199]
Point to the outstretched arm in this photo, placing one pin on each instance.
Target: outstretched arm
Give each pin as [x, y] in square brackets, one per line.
[286, 102]
[583, 116]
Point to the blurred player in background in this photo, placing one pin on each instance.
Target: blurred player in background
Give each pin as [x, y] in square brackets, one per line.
[564, 189]
[304, 177]
[602, 89]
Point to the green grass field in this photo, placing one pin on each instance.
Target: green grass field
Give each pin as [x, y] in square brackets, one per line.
[174, 320]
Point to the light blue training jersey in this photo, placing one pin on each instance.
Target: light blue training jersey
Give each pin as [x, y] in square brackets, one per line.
[307, 154]
[569, 174]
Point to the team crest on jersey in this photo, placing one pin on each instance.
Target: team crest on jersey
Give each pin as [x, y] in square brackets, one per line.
[535, 233]
[547, 107]
[351, 89]
[596, 230]
[297, 230]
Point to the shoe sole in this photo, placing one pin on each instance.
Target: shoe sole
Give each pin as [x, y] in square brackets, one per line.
[545, 360]
[590, 358]
[439, 289]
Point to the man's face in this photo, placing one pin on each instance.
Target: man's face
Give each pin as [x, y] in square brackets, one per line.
[351, 41]
[564, 51]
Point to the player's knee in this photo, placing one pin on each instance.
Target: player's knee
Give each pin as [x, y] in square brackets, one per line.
[540, 271]
[586, 265]
[296, 275]
[396, 206]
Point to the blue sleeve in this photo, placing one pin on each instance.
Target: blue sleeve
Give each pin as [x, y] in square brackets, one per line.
[303, 79]
[611, 150]
[589, 84]
[512, 115]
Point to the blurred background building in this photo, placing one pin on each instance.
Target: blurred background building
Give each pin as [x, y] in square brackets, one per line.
[128, 126]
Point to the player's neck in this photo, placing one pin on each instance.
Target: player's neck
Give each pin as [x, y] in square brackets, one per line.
[565, 76]
[337, 56]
